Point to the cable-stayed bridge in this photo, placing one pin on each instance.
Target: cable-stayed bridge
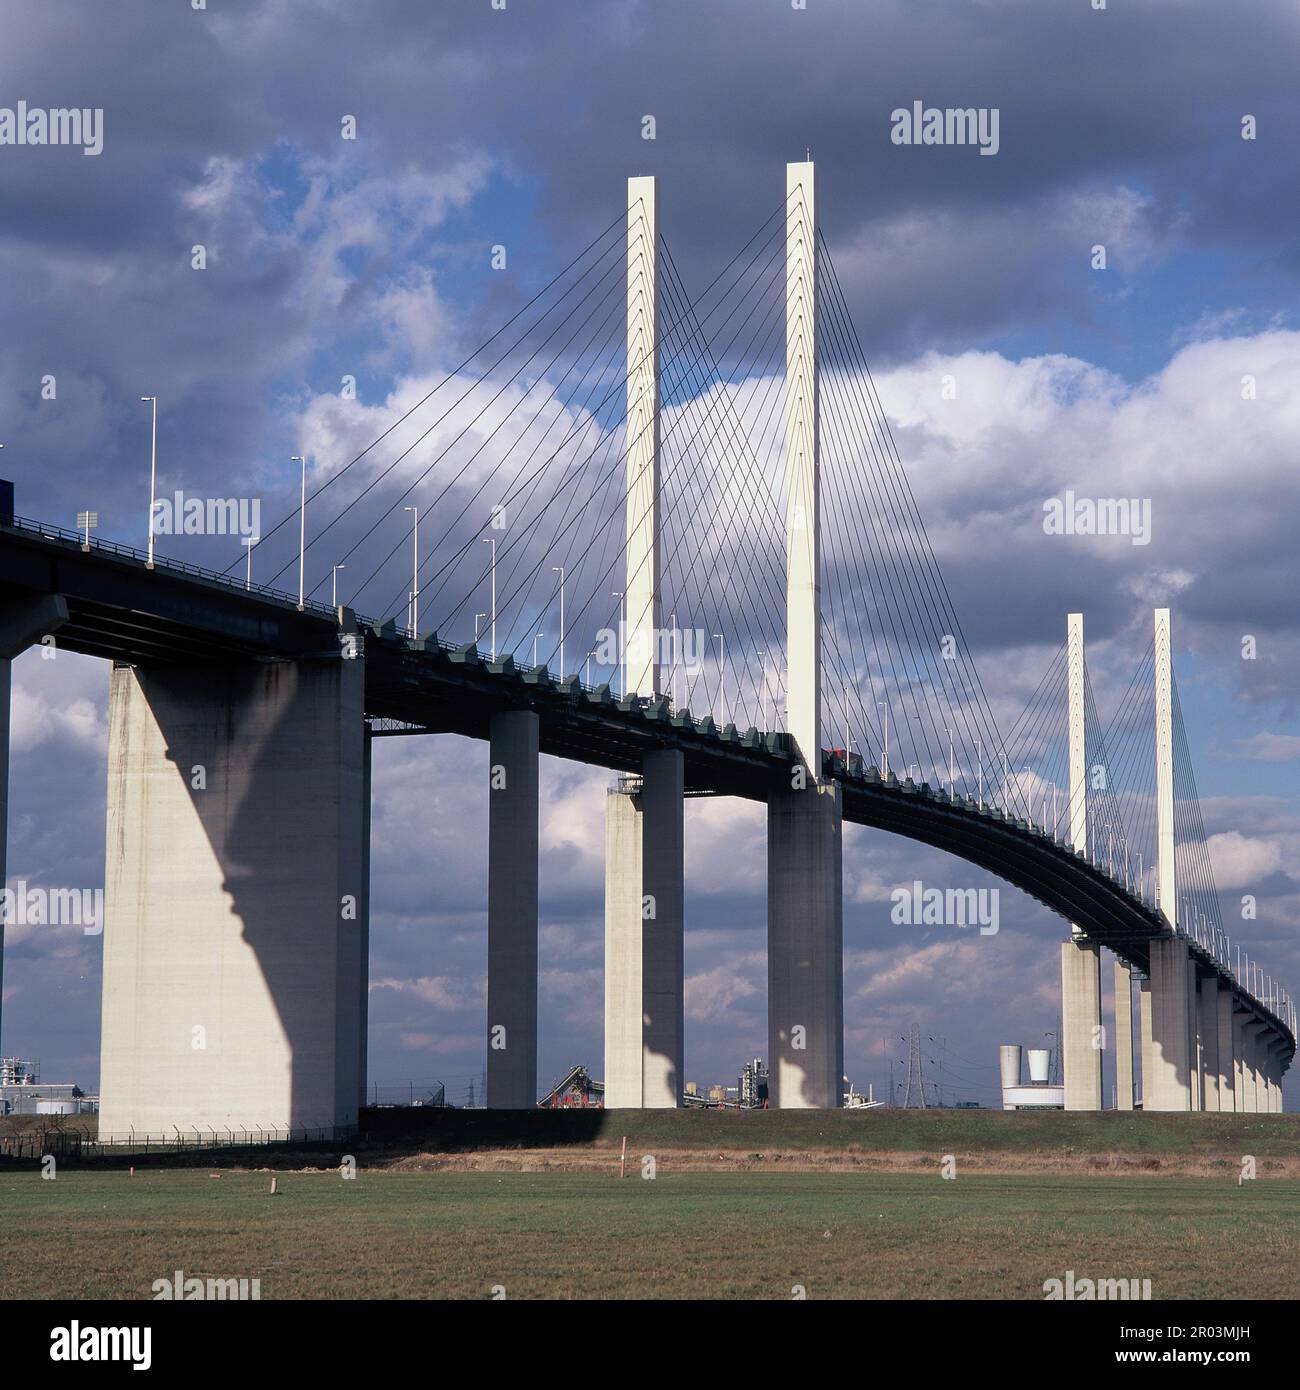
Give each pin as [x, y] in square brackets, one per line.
[662, 532]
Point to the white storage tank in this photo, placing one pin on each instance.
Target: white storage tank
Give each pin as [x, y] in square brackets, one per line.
[56, 1107]
[1009, 1059]
[1039, 1060]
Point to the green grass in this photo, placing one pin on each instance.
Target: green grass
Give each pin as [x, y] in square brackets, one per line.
[731, 1234]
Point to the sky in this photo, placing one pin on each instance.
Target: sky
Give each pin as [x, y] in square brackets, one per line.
[1171, 374]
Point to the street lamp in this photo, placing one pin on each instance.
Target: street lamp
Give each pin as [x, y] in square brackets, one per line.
[722, 675]
[250, 542]
[153, 470]
[302, 530]
[540, 634]
[415, 574]
[622, 670]
[883, 706]
[334, 585]
[477, 616]
[492, 541]
[559, 569]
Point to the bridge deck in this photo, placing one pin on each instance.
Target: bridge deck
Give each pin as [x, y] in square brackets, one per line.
[121, 610]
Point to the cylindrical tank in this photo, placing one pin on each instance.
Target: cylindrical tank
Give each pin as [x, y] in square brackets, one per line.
[1009, 1058]
[1039, 1058]
[56, 1107]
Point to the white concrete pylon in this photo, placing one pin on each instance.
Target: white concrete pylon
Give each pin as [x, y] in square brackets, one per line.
[802, 446]
[1077, 735]
[1080, 958]
[1164, 716]
[643, 588]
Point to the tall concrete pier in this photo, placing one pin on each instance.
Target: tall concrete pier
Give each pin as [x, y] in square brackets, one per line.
[1168, 1085]
[1123, 1036]
[512, 911]
[644, 826]
[805, 947]
[805, 926]
[235, 899]
[22, 624]
[1080, 958]
[644, 1019]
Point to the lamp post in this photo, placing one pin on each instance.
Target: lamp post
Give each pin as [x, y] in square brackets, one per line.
[535, 648]
[492, 541]
[722, 676]
[302, 530]
[883, 706]
[153, 470]
[477, 616]
[415, 574]
[334, 585]
[559, 569]
[250, 542]
[622, 670]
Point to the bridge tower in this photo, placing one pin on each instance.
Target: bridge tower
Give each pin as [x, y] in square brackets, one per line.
[1080, 958]
[644, 826]
[805, 929]
[1168, 1083]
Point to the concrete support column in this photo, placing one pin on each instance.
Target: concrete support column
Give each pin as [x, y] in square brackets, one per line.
[1080, 960]
[22, 623]
[1081, 1023]
[1241, 1067]
[363, 981]
[512, 911]
[1123, 1037]
[1250, 1031]
[805, 947]
[234, 896]
[1195, 1099]
[5, 672]
[644, 917]
[1227, 1053]
[1169, 1084]
[1208, 1027]
[1144, 1026]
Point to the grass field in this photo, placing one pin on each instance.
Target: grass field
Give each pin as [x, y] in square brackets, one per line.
[726, 1234]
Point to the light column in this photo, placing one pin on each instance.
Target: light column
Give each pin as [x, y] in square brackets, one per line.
[805, 927]
[512, 910]
[1080, 958]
